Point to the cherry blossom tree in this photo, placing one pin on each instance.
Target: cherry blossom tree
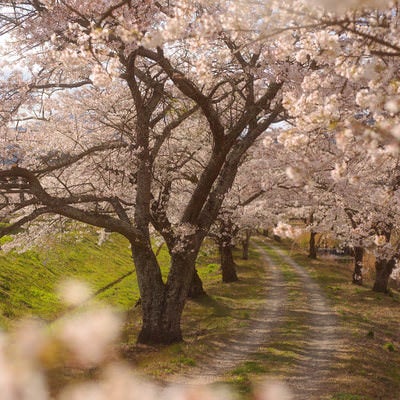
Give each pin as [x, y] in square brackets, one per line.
[350, 193]
[137, 116]
[352, 96]
[246, 207]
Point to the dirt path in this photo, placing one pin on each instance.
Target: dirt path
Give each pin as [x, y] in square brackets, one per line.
[309, 377]
[239, 349]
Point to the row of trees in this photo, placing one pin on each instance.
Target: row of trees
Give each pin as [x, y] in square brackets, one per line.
[138, 116]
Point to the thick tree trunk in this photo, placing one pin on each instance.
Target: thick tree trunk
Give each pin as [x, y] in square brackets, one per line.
[358, 253]
[312, 252]
[162, 304]
[152, 294]
[196, 289]
[383, 269]
[245, 245]
[228, 266]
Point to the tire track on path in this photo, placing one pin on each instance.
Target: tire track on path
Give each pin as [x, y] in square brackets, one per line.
[310, 379]
[241, 348]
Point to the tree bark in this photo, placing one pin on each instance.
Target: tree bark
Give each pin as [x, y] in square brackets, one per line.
[265, 232]
[383, 269]
[228, 231]
[312, 253]
[228, 265]
[196, 289]
[245, 244]
[152, 294]
[162, 304]
[358, 253]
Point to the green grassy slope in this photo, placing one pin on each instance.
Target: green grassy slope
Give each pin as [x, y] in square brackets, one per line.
[28, 281]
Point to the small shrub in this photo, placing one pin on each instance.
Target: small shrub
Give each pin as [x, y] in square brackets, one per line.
[213, 267]
[389, 347]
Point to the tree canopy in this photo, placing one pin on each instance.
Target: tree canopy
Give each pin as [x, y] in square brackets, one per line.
[136, 116]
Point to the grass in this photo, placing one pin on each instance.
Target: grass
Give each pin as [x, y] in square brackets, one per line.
[366, 367]
[277, 359]
[28, 281]
[346, 396]
[284, 349]
[28, 285]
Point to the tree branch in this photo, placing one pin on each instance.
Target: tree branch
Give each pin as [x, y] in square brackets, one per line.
[71, 85]
[62, 206]
[22, 221]
[169, 128]
[73, 159]
[189, 89]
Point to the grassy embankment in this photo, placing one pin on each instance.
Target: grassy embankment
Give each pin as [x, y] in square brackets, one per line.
[28, 281]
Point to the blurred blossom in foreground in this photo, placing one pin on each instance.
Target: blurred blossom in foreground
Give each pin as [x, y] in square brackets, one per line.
[73, 292]
[85, 339]
[89, 333]
[345, 5]
[273, 391]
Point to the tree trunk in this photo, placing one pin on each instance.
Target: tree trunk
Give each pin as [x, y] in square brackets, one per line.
[227, 231]
[277, 238]
[162, 304]
[358, 253]
[196, 289]
[152, 294]
[228, 266]
[265, 232]
[383, 270]
[312, 253]
[245, 244]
